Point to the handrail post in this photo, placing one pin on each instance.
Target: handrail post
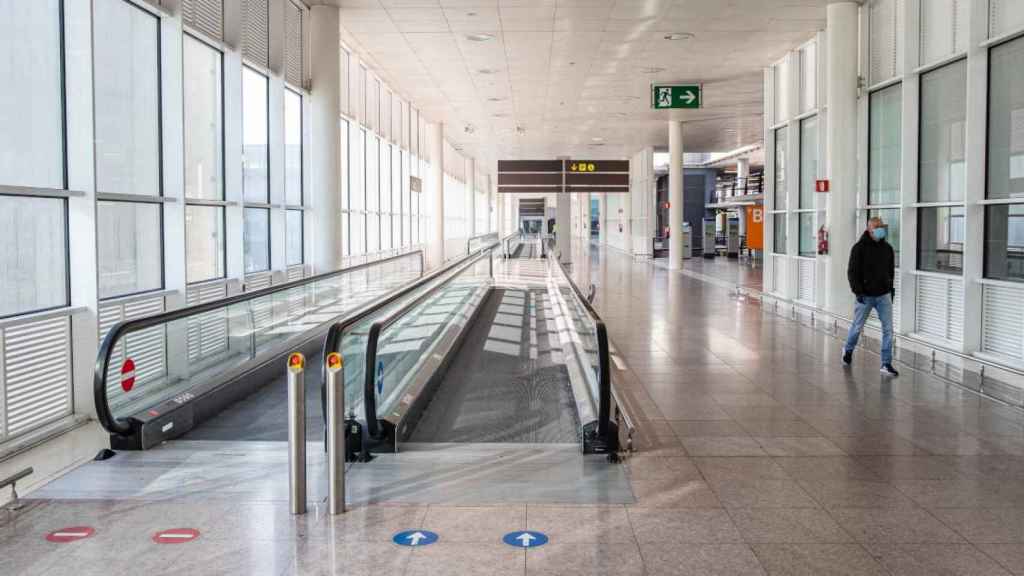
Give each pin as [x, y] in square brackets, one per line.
[15, 504]
[297, 433]
[335, 434]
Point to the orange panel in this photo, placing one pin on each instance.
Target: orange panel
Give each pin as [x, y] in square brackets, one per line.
[755, 227]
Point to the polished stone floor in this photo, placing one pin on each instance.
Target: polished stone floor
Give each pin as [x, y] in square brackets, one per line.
[758, 453]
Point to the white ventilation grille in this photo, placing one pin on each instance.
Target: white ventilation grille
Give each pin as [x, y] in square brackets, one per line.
[294, 64]
[1005, 16]
[207, 333]
[146, 348]
[296, 273]
[805, 284]
[36, 375]
[261, 310]
[256, 32]
[940, 312]
[886, 27]
[206, 16]
[1002, 319]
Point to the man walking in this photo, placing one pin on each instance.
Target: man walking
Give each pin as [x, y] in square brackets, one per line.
[870, 272]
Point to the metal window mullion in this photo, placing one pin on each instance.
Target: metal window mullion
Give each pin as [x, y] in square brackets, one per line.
[3, 388]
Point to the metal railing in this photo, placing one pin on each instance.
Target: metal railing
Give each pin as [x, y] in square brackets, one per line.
[481, 240]
[119, 331]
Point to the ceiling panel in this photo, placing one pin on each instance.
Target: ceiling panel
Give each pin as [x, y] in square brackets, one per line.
[576, 74]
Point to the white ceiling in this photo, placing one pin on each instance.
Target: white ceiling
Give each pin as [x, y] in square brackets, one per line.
[575, 73]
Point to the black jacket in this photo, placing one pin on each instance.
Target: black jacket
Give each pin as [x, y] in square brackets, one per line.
[872, 267]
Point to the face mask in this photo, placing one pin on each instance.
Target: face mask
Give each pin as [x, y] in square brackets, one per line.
[878, 234]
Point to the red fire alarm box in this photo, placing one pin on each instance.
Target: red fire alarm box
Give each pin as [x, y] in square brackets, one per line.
[821, 186]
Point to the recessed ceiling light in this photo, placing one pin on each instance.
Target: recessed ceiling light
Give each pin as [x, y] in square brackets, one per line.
[494, 99]
[652, 70]
[500, 115]
[679, 36]
[471, 14]
[487, 71]
[482, 37]
[597, 139]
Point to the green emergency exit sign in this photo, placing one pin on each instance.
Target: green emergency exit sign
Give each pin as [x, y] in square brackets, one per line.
[676, 96]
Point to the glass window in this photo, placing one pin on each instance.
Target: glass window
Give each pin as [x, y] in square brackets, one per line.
[891, 217]
[129, 249]
[343, 154]
[31, 109]
[940, 243]
[256, 239]
[1004, 242]
[808, 161]
[33, 253]
[779, 226]
[357, 151]
[357, 236]
[943, 115]
[808, 238]
[204, 228]
[1006, 121]
[885, 146]
[255, 151]
[780, 169]
[293, 227]
[372, 173]
[204, 121]
[126, 43]
[292, 148]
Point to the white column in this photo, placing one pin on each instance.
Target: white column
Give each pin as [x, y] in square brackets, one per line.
[435, 184]
[841, 145]
[675, 194]
[563, 226]
[325, 138]
[471, 186]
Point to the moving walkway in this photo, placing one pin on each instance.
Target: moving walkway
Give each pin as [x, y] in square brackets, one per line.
[473, 359]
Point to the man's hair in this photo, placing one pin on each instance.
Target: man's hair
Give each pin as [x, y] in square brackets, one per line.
[876, 221]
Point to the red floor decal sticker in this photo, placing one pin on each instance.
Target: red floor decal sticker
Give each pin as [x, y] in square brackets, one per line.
[70, 534]
[176, 536]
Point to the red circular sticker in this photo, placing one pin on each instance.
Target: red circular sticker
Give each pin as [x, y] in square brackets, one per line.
[176, 536]
[70, 534]
[128, 375]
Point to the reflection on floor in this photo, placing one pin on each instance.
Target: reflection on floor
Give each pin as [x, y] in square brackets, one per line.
[759, 454]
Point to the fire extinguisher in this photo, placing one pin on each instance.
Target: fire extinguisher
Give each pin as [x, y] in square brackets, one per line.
[822, 240]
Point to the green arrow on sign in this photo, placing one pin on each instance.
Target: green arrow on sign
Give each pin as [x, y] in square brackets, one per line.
[676, 96]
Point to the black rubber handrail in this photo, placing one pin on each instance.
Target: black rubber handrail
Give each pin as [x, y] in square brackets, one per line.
[337, 330]
[604, 390]
[123, 328]
[373, 338]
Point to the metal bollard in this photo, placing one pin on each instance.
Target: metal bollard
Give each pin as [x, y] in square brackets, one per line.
[297, 433]
[335, 434]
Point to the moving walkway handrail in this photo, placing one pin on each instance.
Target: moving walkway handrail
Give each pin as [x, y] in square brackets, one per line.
[123, 328]
[373, 336]
[604, 403]
[337, 330]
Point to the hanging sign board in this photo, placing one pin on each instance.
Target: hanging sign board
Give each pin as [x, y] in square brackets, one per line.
[415, 184]
[561, 176]
[686, 96]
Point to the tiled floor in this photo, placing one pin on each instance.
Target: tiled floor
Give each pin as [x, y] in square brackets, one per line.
[759, 454]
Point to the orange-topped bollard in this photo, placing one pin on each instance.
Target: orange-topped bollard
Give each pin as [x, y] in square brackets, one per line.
[335, 433]
[297, 432]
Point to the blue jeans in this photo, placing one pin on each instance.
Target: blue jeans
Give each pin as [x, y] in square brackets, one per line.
[882, 305]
